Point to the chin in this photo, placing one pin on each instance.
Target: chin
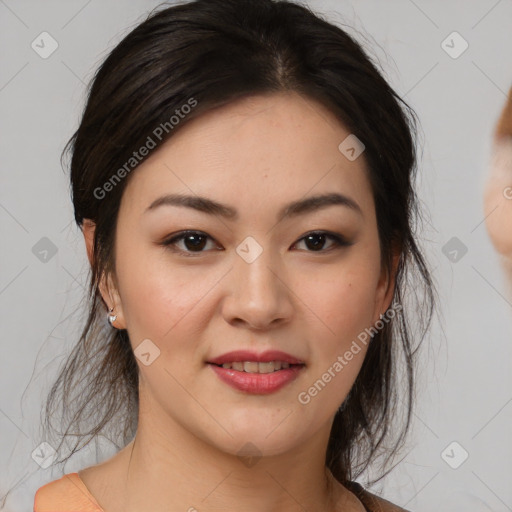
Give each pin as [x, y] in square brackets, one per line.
[261, 434]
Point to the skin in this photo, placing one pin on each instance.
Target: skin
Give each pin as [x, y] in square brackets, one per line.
[498, 190]
[255, 155]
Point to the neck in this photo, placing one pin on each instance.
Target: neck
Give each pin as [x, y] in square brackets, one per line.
[166, 467]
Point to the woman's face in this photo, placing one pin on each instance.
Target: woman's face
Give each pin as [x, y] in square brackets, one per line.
[249, 278]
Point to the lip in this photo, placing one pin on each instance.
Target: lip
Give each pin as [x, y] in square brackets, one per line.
[261, 357]
[257, 383]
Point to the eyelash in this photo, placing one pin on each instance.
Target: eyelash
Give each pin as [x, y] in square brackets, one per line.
[338, 240]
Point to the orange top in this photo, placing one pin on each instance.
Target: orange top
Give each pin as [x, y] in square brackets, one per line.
[69, 494]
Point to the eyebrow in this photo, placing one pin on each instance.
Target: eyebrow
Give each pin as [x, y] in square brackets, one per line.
[293, 209]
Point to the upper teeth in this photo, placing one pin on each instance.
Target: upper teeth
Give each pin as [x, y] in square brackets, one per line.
[254, 367]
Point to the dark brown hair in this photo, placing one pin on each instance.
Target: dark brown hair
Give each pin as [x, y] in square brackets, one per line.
[216, 51]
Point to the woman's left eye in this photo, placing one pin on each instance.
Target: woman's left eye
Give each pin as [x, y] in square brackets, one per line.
[316, 240]
[194, 242]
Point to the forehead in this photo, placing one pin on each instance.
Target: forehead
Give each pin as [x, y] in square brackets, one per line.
[262, 150]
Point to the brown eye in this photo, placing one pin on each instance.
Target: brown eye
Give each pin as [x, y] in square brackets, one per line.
[315, 241]
[192, 242]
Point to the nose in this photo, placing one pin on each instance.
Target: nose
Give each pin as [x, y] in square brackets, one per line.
[258, 295]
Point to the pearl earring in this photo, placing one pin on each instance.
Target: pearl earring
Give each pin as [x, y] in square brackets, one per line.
[111, 318]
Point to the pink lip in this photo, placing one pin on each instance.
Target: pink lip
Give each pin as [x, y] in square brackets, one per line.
[263, 357]
[257, 383]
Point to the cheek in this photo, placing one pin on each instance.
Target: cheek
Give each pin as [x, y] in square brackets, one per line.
[343, 305]
[343, 300]
[159, 298]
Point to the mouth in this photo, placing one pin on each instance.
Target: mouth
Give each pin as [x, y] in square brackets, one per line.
[255, 367]
[249, 357]
[254, 373]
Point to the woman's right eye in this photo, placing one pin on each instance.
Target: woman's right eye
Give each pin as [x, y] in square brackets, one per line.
[192, 242]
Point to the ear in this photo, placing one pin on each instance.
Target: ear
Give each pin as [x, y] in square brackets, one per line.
[88, 228]
[386, 285]
[107, 288]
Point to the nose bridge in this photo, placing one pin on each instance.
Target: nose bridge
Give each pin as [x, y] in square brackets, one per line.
[259, 294]
[258, 272]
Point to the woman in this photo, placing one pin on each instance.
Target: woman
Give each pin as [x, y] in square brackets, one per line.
[243, 178]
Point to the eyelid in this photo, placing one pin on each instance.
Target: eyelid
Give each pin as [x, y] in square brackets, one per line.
[169, 242]
[339, 241]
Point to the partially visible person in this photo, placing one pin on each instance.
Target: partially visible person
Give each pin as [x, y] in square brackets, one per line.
[498, 190]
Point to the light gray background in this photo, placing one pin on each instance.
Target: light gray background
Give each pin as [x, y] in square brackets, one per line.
[465, 391]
